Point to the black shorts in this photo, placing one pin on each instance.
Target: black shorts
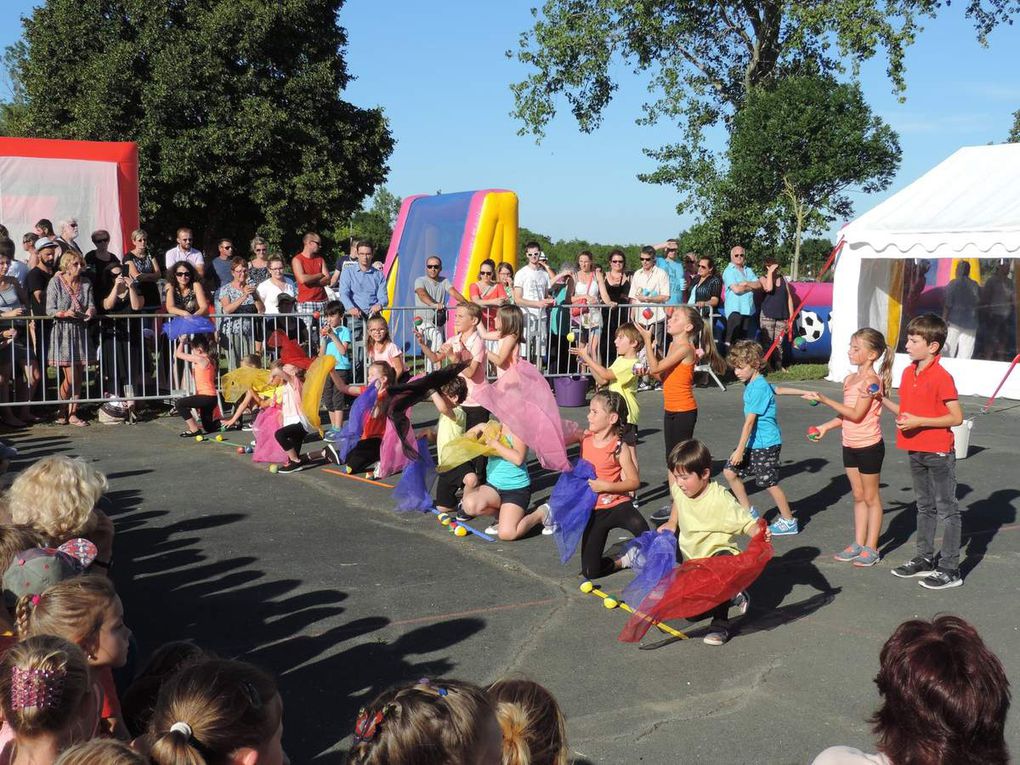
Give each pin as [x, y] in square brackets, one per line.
[678, 427]
[332, 399]
[519, 497]
[866, 459]
[449, 483]
[760, 464]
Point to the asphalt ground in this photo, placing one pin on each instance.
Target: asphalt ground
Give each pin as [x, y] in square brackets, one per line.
[314, 577]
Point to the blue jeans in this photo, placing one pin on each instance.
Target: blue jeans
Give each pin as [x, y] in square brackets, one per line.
[934, 475]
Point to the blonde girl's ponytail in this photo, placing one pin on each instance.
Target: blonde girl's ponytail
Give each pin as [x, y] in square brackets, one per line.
[513, 722]
[876, 341]
[702, 338]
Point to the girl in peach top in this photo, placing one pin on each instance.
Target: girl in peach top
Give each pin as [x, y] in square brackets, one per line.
[863, 447]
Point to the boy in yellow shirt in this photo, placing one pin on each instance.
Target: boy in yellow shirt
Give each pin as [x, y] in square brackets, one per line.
[706, 518]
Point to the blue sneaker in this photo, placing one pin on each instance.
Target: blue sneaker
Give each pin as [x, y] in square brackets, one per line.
[331, 435]
[753, 512]
[784, 528]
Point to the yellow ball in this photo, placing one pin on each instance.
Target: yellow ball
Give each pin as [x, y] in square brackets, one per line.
[200, 438]
[274, 468]
[446, 521]
[570, 337]
[460, 531]
[610, 603]
[587, 586]
[219, 437]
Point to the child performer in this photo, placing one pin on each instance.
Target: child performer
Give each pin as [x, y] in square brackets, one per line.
[380, 346]
[451, 426]
[691, 339]
[616, 476]
[203, 367]
[337, 341]
[620, 378]
[928, 408]
[706, 518]
[366, 452]
[509, 324]
[249, 377]
[506, 492]
[863, 447]
[295, 426]
[757, 452]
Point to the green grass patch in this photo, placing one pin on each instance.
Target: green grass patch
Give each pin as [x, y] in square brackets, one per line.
[800, 372]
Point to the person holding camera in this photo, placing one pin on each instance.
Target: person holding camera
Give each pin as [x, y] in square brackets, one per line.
[122, 355]
[69, 300]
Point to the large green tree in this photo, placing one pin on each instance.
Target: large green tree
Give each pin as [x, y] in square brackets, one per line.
[701, 59]
[375, 222]
[235, 104]
[798, 145]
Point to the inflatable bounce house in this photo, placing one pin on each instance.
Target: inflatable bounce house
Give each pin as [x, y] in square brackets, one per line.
[462, 229]
[94, 182]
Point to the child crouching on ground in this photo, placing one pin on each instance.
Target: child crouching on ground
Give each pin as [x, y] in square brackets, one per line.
[706, 518]
[366, 452]
[452, 425]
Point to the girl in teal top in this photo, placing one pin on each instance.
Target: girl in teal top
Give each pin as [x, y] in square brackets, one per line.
[507, 490]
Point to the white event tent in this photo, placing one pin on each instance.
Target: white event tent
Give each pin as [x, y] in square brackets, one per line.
[967, 207]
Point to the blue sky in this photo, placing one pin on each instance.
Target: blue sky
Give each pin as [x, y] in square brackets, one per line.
[439, 71]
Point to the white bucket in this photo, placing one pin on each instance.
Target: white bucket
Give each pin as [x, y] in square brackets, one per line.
[961, 433]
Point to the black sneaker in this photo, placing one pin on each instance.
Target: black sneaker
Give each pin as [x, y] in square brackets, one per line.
[917, 566]
[330, 454]
[460, 515]
[662, 514]
[942, 580]
[293, 467]
[191, 433]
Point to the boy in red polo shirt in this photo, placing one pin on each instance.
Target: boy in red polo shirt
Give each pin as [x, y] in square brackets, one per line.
[927, 410]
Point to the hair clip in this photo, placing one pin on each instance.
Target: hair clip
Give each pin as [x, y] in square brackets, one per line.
[367, 728]
[428, 684]
[35, 599]
[251, 694]
[38, 688]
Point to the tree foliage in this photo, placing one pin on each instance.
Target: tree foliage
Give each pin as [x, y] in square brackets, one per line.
[375, 222]
[563, 251]
[1014, 133]
[235, 105]
[796, 148]
[701, 59]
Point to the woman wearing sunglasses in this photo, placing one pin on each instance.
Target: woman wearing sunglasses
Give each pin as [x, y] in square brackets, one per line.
[617, 286]
[185, 295]
[488, 293]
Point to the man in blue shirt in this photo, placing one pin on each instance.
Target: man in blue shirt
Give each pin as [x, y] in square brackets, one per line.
[738, 304]
[363, 293]
[674, 268]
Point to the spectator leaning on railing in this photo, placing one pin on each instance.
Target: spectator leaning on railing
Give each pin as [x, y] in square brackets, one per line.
[740, 282]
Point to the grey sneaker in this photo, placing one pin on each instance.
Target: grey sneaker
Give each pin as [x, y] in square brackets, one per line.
[848, 554]
[942, 580]
[867, 557]
[916, 566]
[742, 602]
[662, 514]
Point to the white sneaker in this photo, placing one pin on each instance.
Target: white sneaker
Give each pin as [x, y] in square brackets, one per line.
[548, 527]
[493, 530]
[629, 558]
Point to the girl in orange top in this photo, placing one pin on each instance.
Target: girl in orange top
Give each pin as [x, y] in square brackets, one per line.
[615, 476]
[690, 340]
[863, 447]
[366, 452]
[203, 369]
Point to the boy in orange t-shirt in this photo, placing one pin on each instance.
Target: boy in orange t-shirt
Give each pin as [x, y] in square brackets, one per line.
[928, 408]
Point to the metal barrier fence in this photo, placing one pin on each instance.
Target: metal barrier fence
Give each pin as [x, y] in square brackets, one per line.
[46, 360]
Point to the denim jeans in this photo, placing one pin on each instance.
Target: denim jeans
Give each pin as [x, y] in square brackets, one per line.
[934, 475]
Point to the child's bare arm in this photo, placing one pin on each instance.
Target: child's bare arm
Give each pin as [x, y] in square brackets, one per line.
[443, 404]
[950, 419]
[745, 434]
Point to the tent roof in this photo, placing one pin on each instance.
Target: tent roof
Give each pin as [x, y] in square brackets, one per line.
[970, 201]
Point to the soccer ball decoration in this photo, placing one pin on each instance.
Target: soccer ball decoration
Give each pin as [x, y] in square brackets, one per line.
[810, 327]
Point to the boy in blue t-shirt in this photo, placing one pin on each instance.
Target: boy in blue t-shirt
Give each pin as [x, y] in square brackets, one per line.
[757, 452]
[337, 342]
